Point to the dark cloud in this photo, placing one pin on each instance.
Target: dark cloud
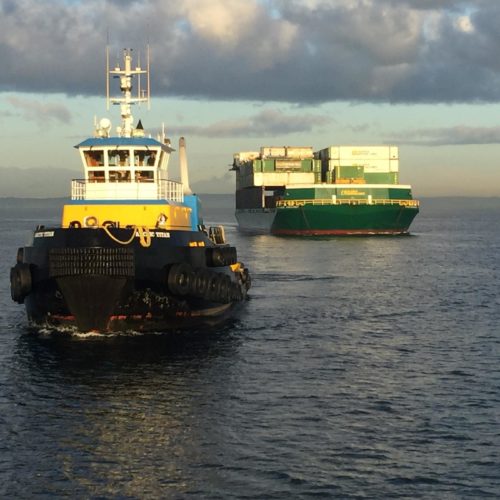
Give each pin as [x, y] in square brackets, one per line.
[264, 124]
[279, 50]
[460, 135]
[39, 112]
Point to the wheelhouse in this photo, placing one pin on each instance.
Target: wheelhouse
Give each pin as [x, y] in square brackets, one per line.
[124, 168]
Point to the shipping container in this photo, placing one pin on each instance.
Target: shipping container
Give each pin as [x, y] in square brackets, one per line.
[360, 152]
[257, 165]
[268, 165]
[298, 152]
[280, 178]
[381, 177]
[295, 165]
[349, 172]
[316, 166]
[272, 151]
[244, 156]
[381, 166]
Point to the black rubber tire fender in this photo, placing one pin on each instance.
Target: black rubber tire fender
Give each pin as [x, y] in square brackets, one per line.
[20, 282]
[180, 278]
[225, 289]
[201, 282]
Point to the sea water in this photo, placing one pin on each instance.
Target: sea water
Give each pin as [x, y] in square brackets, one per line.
[358, 368]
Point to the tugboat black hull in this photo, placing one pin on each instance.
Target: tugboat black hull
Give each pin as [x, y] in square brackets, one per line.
[107, 280]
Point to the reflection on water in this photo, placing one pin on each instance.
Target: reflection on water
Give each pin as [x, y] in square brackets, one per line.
[116, 407]
[359, 368]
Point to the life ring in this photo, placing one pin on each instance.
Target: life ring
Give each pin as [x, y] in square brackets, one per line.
[90, 221]
[180, 278]
[20, 282]
[75, 224]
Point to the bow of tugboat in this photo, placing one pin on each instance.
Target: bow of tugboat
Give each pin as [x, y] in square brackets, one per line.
[132, 251]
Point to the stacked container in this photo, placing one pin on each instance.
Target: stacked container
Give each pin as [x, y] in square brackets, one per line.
[358, 164]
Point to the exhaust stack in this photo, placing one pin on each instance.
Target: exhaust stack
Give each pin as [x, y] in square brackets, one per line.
[184, 166]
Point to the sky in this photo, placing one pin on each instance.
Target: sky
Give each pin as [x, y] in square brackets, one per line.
[235, 75]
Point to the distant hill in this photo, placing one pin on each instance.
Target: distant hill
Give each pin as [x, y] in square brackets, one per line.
[56, 183]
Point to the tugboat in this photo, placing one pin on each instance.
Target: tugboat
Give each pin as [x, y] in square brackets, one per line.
[132, 252]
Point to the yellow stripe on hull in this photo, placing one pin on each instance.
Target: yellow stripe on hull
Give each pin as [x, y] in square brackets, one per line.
[150, 216]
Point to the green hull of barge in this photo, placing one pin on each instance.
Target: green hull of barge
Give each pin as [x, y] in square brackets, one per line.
[311, 219]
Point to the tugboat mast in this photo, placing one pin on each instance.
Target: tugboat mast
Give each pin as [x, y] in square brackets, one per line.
[126, 76]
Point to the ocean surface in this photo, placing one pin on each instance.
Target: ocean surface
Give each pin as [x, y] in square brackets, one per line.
[358, 368]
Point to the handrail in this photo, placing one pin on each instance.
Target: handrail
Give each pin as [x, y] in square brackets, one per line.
[347, 201]
[165, 189]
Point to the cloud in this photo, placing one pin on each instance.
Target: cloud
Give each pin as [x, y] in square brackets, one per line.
[264, 124]
[39, 112]
[300, 51]
[460, 135]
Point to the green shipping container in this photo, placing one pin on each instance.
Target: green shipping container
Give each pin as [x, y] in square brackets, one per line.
[268, 166]
[306, 165]
[257, 165]
[381, 178]
[316, 165]
[350, 172]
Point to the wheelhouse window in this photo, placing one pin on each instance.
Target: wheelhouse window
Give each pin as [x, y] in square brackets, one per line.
[123, 158]
[94, 158]
[113, 158]
[144, 176]
[96, 176]
[150, 158]
[139, 158]
[119, 176]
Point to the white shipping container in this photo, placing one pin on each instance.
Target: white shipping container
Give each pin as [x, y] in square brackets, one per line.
[246, 156]
[271, 151]
[281, 178]
[373, 166]
[299, 152]
[370, 166]
[382, 166]
[360, 152]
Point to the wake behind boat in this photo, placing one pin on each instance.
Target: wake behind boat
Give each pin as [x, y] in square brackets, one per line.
[132, 251]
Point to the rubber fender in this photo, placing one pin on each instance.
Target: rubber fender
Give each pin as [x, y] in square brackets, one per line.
[117, 262]
[180, 278]
[221, 256]
[246, 279]
[213, 287]
[218, 289]
[20, 255]
[231, 256]
[75, 224]
[200, 283]
[225, 289]
[20, 282]
[236, 292]
[215, 257]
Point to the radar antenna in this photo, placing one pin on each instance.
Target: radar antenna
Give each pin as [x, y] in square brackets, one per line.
[126, 76]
